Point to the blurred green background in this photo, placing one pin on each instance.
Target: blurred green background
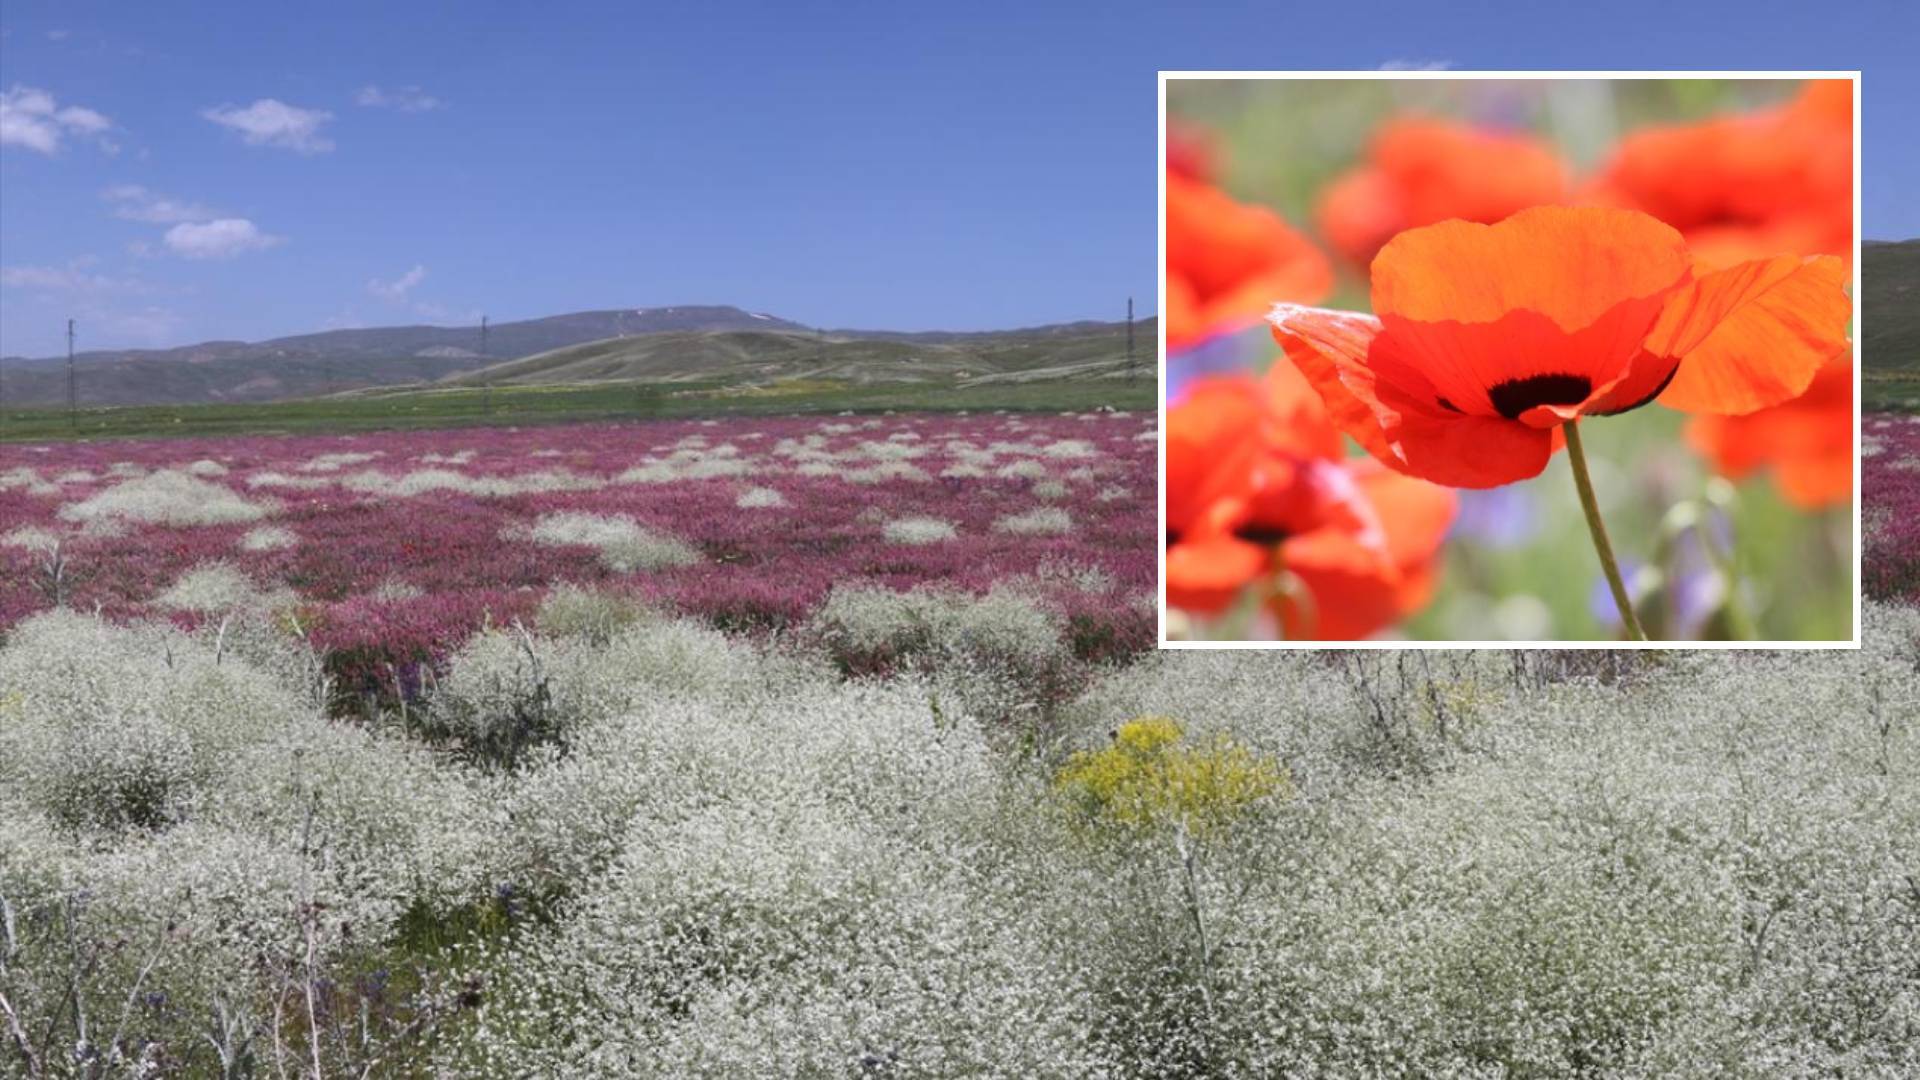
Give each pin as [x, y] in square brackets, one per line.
[1519, 564]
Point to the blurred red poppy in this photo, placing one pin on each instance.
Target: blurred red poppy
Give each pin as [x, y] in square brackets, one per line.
[1258, 495]
[1227, 261]
[1807, 442]
[1489, 337]
[1191, 152]
[1740, 187]
[1423, 171]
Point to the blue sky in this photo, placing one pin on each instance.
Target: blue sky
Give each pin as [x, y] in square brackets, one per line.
[177, 173]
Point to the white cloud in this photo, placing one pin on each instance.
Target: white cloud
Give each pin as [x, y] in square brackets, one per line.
[32, 118]
[1416, 65]
[268, 122]
[85, 121]
[444, 315]
[135, 203]
[46, 278]
[221, 239]
[397, 289]
[71, 278]
[59, 35]
[405, 99]
[151, 325]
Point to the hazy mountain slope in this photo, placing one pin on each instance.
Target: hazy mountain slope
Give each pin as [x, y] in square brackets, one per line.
[1890, 305]
[1087, 349]
[1890, 323]
[337, 359]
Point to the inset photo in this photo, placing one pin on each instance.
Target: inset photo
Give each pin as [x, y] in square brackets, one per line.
[1504, 359]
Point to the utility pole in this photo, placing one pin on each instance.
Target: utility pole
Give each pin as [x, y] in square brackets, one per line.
[1129, 335]
[486, 381]
[73, 399]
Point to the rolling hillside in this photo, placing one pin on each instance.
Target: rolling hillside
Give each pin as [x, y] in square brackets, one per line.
[1074, 351]
[334, 360]
[1890, 322]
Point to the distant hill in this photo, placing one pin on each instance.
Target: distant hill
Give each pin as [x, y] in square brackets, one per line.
[1890, 322]
[336, 360]
[1067, 351]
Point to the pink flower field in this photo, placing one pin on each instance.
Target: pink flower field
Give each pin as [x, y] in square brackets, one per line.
[393, 548]
[1890, 515]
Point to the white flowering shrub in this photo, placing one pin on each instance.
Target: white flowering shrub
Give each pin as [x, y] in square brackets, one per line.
[215, 587]
[1039, 520]
[623, 544]
[760, 498]
[111, 729]
[268, 538]
[725, 858]
[1001, 654]
[1049, 490]
[167, 498]
[918, 530]
[423, 481]
[31, 537]
[190, 852]
[572, 611]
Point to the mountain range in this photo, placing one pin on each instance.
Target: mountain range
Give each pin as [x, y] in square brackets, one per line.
[666, 343]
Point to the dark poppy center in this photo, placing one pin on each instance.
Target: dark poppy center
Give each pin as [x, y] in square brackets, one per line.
[1253, 532]
[1173, 537]
[1516, 396]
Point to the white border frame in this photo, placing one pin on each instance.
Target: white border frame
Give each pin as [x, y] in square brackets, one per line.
[1470, 76]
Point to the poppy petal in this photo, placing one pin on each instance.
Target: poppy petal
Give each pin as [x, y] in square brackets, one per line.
[1205, 576]
[1414, 514]
[1570, 264]
[1300, 424]
[1405, 428]
[1814, 482]
[1234, 258]
[1211, 444]
[1360, 211]
[1329, 348]
[1646, 377]
[1752, 335]
[1470, 451]
[1523, 359]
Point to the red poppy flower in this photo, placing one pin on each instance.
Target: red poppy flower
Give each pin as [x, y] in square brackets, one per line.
[1190, 152]
[1257, 490]
[1420, 172]
[1227, 261]
[1489, 337]
[1807, 442]
[1738, 187]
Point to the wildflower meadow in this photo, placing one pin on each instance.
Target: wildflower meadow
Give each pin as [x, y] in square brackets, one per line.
[566, 752]
[837, 745]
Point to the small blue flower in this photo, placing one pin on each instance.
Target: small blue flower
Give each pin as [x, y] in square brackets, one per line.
[1502, 517]
[1222, 354]
[1600, 596]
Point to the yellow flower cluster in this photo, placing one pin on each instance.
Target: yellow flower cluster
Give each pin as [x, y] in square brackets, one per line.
[1149, 777]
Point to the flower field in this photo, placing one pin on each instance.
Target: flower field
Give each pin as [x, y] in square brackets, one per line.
[1890, 517]
[392, 549]
[791, 749]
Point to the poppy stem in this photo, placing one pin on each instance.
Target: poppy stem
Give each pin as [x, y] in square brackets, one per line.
[1584, 483]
